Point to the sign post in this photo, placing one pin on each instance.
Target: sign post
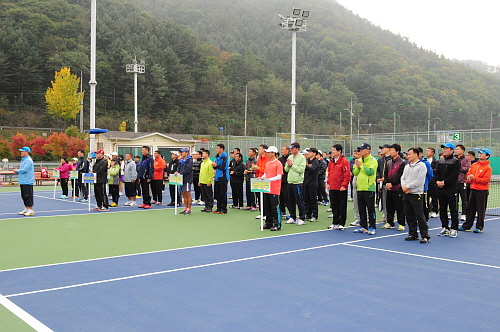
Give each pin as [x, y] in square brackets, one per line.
[89, 178]
[175, 180]
[261, 186]
[56, 175]
[73, 175]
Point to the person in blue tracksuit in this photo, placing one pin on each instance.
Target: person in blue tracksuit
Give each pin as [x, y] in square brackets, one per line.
[26, 179]
[221, 166]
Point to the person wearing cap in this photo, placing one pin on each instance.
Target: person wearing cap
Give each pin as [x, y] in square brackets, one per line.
[82, 167]
[171, 169]
[382, 190]
[285, 153]
[100, 168]
[262, 160]
[114, 182]
[339, 176]
[446, 177]
[145, 175]
[412, 184]
[322, 166]
[206, 178]
[394, 168]
[354, 189]
[159, 165]
[197, 160]
[432, 199]
[365, 169]
[186, 169]
[310, 185]
[130, 178]
[74, 182]
[462, 187]
[221, 165]
[236, 171]
[479, 177]
[26, 180]
[295, 167]
[273, 171]
[249, 175]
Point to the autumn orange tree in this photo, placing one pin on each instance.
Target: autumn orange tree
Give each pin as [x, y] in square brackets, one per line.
[63, 99]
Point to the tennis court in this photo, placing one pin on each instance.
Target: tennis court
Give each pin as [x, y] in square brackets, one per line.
[135, 270]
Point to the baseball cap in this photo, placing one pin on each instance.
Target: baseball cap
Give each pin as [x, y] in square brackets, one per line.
[76, 159]
[114, 153]
[272, 149]
[25, 148]
[364, 146]
[486, 151]
[100, 151]
[175, 152]
[184, 150]
[386, 146]
[448, 145]
[294, 145]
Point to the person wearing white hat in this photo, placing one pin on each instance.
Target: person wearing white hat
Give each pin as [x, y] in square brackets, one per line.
[273, 171]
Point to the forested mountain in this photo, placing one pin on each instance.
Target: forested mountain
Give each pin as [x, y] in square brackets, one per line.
[200, 55]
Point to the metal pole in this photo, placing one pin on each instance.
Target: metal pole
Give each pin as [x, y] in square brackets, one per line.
[350, 137]
[81, 103]
[92, 82]
[428, 123]
[135, 100]
[340, 132]
[294, 81]
[246, 108]
[491, 125]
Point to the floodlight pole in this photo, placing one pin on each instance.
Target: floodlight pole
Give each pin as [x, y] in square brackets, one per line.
[294, 81]
[92, 82]
[136, 69]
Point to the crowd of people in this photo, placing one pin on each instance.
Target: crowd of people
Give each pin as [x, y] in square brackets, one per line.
[406, 186]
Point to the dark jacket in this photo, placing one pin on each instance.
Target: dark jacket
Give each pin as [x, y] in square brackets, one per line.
[196, 167]
[447, 170]
[381, 166]
[146, 168]
[172, 166]
[322, 166]
[464, 168]
[186, 169]
[250, 162]
[393, 172]
[284, 177]
[101, 170]
[238, 167]
[433, 163]
[82, 166]
[311, 173]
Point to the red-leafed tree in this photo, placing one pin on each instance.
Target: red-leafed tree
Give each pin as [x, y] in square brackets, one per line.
[75, 144]
[5, 148]
[37, 145]
[17, 142]
[58, 144]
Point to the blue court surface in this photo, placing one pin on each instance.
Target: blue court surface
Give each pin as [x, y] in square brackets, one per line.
[316, 281]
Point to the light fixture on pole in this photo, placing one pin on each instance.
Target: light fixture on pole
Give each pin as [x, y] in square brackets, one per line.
[342, 110]
[440, 122]
[473, 126]
[452, 111]
[136, 68]
[294, 23]
[399, 117]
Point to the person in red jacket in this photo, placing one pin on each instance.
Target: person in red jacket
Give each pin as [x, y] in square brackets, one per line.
[159, 165]
[479, 176]
[339, 176]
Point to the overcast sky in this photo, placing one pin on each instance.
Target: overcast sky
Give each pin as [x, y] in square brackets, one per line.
[458, 29]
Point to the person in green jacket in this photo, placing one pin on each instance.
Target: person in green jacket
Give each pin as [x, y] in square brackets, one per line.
[206, 177]
[114, 182]
[365, 169]
[295, 166]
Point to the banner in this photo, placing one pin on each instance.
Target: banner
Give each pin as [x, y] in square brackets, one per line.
[89, 177]
[175, 180]
[260, 186]
[73, 175]
[56, 174]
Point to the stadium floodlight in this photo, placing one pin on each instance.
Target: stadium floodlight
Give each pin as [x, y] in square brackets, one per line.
[136, 68]
[298, 23]
[296, 12]
[290, 23]
[305, 13]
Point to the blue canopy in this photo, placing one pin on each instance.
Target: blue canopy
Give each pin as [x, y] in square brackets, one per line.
[97, 131]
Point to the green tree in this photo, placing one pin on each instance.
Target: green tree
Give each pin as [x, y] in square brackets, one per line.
[63, 99]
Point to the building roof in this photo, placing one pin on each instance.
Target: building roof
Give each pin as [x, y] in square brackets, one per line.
[130, 136]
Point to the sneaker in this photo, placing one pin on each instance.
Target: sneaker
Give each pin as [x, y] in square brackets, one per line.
[411, 238]
[349, 199]
[453, 233]
[300, 222]
[477, 230]
[141, 206]
[253, 209]
[158, 203]
[63, 197]
[96, 209]
[340, 227]
[401, 228]
[194, 202]
[383, 220]
[147, 207]
[247, 207]
[290, 221]
[332, 226]
[113, 204]
[183, 212]
[444, 232]
[355, 223]
[138, 196]
[372, 231]
[206, 210]
[360, 230]
[325, 203]
[23, 212]
[128, 203]
[258, 217]
[329, 210]
[274, 228]
[387, 226]
[463, 229]
[434, 215]
[330, 216]
[425, 240]
[201, 203]
[233, 207]
[29, 212]
[133, 203]
[103, 209]
[313, 219]
[83, 200]
[462, 217]
[225, 212]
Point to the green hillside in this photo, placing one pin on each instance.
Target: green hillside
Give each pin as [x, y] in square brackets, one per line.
[200, 55]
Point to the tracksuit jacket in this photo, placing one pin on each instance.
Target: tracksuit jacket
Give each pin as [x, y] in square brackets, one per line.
[393, 172]
[26, 171]
[130, 171]
[296, 171]
[447, 170]
[482, 174]
[366, 174]
[339, 174]
[413, 177]
[186, 169]
[146, 168]
[222, 168]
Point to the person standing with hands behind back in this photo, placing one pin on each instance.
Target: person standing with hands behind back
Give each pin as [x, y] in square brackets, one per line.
[26, 179]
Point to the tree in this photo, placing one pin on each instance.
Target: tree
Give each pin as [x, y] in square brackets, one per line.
[17, 142]
[62, 99]
[58, 144]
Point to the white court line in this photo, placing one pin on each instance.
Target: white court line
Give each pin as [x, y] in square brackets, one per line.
[197, 266]
[1, 214]
[423, 256]
[27, 318]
